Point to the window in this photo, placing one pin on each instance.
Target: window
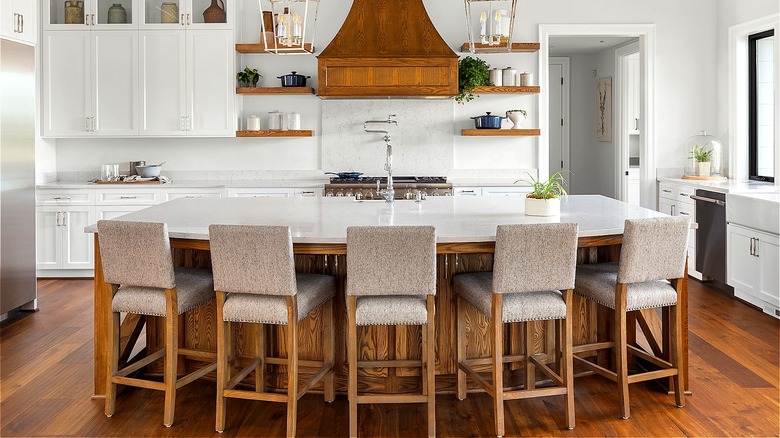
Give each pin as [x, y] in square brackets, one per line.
[761, 135]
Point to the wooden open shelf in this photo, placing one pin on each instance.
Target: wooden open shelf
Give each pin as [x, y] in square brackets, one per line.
[501, 48]
[268, 133]
[275, 90]
[499, 132]
[259, 48]
[491, 89]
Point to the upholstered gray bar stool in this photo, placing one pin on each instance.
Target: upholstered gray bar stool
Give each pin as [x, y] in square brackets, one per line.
[649, 275]
[256, 282]
[532, 280]
[138, 266]
[391, 280]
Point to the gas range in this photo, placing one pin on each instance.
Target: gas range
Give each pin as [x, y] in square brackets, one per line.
[405, 186]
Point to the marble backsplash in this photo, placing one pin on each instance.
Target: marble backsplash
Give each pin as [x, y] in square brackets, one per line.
[422, 141]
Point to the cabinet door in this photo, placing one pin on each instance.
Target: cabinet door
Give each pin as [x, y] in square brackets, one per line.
[77, 246]
[467, 191]
[114, 211]
[210, 92]
[740, 265]
[666, 206]
[768, 251]
[115, 83]
[28, 22]
[162, 82]
[506, 191]
[67, 98]
[48, 238]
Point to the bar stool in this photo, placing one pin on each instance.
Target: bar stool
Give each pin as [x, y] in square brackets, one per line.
[648, 275]
[256, 282]
[391, 280]
[532, 280]
[138, 265]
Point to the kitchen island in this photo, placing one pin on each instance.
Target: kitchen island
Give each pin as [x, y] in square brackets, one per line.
[465, 228]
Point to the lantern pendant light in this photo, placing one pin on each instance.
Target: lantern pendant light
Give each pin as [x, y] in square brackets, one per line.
[495, 25]
[288, 26]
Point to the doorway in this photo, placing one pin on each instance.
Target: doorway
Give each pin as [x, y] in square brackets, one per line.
[598, 166]
[559, 111]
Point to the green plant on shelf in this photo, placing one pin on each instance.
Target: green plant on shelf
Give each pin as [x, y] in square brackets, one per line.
[700, 154]
[554, 187]
[472, 73]
[248, 77]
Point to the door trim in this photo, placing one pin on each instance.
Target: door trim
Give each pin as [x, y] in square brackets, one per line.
[564, 62]
[620, 91]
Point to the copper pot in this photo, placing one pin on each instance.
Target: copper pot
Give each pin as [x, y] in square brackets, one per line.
[215, 13]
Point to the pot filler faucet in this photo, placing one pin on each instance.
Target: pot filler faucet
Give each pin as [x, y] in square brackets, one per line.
[388, 193]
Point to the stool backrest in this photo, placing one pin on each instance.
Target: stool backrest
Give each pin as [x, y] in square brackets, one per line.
[136, 254]
[252, 259]
[653, 249]
[534, 257]
[399, 260]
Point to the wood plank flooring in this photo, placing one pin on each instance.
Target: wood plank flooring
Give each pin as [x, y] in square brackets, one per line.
[46, 383]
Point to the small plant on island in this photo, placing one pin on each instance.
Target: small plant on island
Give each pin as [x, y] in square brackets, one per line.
[701, 155]
[248, 77]
[553, 188]
[472, 73]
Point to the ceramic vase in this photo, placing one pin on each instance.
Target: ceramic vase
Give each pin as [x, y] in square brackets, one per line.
[215, 13]
[117, 14]
[74, 12]
[517, 118]
[542, 207]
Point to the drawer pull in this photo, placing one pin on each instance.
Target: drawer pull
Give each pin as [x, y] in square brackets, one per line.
[682, 212]
[61, 198]
[127, 197]
[666, 191]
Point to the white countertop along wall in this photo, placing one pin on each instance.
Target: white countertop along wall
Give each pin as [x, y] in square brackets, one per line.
[726, 186]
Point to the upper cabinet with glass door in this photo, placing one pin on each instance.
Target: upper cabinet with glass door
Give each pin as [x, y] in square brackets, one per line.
[193, 14]
[91, 14]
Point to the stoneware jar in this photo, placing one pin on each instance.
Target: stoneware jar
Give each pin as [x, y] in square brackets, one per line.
[74, 12]
[215, 13]
[508, 76]
[117, 14]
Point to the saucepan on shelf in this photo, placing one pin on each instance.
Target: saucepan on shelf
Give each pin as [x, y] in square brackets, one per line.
[293, 80]
[488, 121]
[345, 175]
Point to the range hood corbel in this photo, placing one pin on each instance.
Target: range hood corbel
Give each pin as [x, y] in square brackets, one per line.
[387, 48]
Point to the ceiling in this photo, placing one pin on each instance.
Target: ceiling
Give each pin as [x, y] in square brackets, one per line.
[572, 45]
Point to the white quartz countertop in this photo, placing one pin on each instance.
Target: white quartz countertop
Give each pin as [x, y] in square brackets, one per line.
[325, 220]
[726, 186]
[185, 184]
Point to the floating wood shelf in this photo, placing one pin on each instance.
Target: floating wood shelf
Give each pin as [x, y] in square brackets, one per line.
[499, 132]
[501, 48]
[491, 89]
[274, 90]
[259, 48]
[268, 133]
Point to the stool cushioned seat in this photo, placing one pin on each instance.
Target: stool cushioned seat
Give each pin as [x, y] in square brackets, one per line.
[393, 310]
[194, 287]
[597, 282]
[314, 290]
[477, 289]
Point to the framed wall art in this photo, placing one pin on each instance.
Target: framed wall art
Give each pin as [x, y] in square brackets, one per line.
[604, 109]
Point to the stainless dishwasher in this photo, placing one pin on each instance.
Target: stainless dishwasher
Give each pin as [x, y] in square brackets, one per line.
[711, 234]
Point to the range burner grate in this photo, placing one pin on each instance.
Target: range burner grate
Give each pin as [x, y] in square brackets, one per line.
[396, 179]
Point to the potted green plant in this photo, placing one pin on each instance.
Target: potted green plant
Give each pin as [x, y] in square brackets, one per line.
[703, 158]
[545, 197]
[248, 77]
[517, 116]
[472, 73]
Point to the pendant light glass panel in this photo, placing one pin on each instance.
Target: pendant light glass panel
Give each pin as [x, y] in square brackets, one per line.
[490, 25]
[288, 25]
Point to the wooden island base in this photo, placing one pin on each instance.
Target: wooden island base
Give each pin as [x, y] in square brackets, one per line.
[591, 323]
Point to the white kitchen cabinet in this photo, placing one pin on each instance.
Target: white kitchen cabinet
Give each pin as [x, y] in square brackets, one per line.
[189, 14]
[244, 192]
[752, 264]
[675, 200]
[467, 191]
[131, 196]
[186, 83]
[18, 21]
[109, 212]
[492, 191]
[171, 194]
[94, 15]
[61, 241]
[307, 192]
[90, 82]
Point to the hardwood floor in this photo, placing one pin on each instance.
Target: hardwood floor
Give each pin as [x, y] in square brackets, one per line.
[46, 384]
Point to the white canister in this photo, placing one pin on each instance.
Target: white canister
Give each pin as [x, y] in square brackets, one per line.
[275, 120]
[294, 121]
[526, 79]
[495, 77]
[508, 76]
[253, 123]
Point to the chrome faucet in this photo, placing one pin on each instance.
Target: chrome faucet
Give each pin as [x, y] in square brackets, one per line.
[389, 192]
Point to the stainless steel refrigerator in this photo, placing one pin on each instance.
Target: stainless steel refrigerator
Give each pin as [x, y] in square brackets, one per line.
[17, 178]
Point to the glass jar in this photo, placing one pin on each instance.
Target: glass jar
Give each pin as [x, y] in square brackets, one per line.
[703, 154]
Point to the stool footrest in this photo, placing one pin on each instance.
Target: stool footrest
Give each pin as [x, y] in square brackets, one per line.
[531, 393]
[243, 373]
[126, 371]
[391, 398]
[139, 383]
[189, 378]
[601, 371]
[252, 395]
[548, 371]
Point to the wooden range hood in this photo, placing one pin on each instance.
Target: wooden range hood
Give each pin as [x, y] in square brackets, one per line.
[387, 48]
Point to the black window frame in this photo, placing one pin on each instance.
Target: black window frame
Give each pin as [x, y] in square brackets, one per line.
[753, 107]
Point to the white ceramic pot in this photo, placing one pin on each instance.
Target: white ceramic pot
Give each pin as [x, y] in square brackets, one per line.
[517, 119]
[703, 168]
[542, 207]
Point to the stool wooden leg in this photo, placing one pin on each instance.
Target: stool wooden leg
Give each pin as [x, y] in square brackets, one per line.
[260, 354]
[423, 359]
[677, 354]
[113, 362]
[497, 343]
[329, 350]
[530, 369]
[223, 370]
[621, 353]
[460, 340]
[352, 363]
[567, 362]
[430, 367]
[292, 365]
[171, 355]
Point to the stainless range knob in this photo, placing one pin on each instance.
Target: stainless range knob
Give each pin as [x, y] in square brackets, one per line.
[339, 194]
[329, 194]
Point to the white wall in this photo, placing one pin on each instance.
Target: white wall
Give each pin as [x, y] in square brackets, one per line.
[685, 100]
